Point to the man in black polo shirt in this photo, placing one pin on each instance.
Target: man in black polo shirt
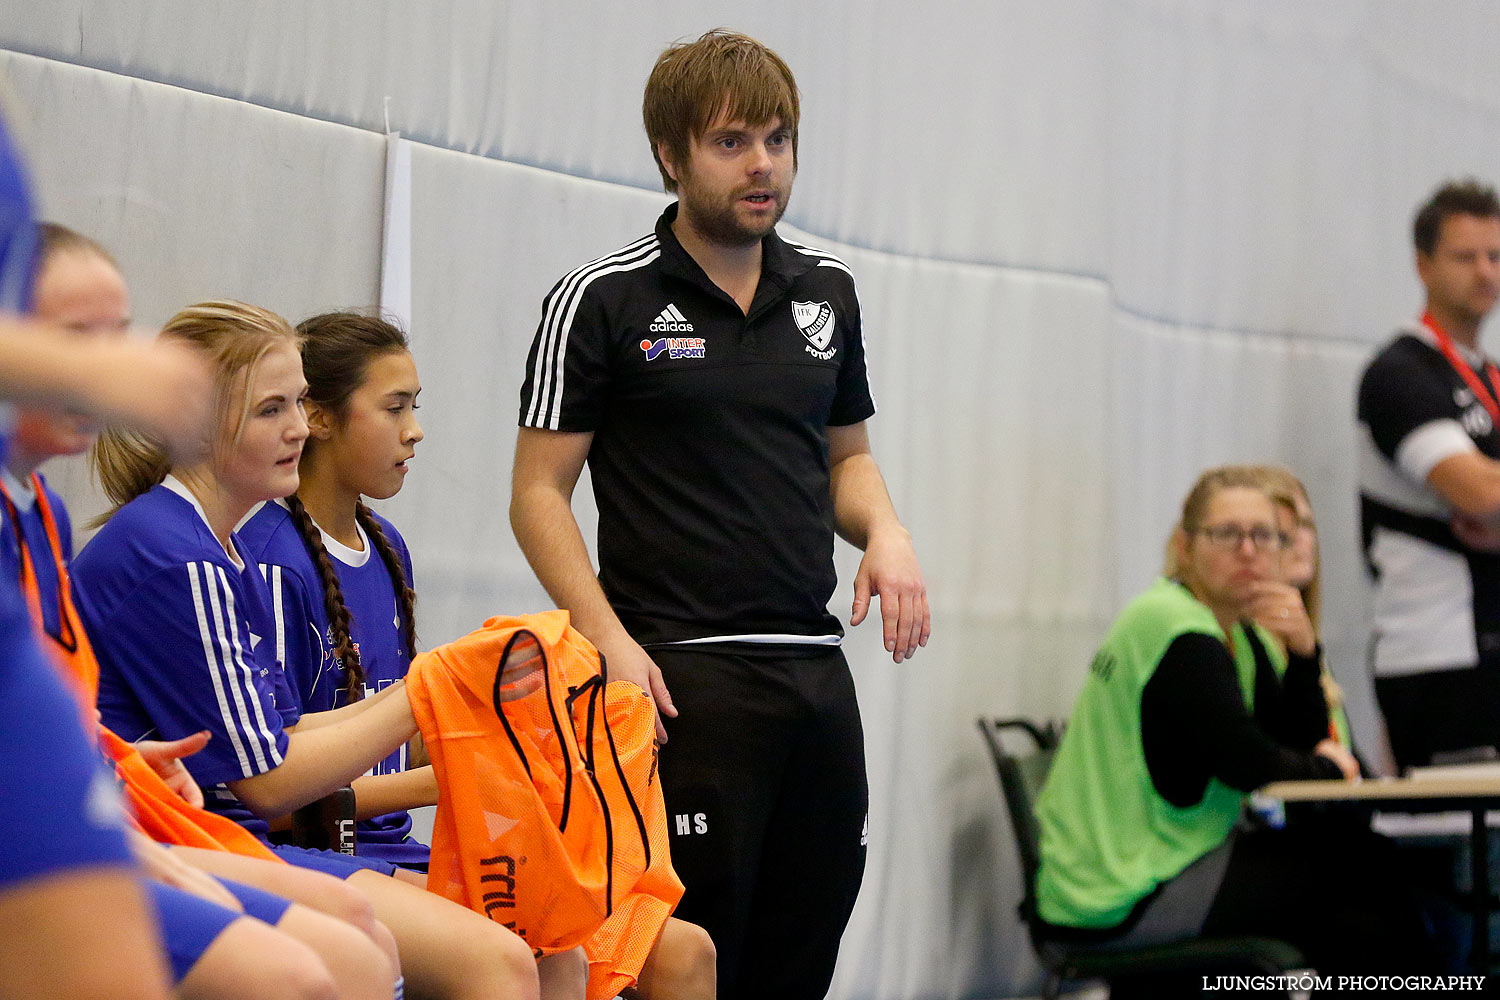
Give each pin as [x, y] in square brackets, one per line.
[713, 377]
[1430, 492]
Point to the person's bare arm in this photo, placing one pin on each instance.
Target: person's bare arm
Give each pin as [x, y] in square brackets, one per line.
[378, 794]
[546, 470]
[1470, 482]
[160, 387]
[865, 518]
[326, 758]
[317, 720]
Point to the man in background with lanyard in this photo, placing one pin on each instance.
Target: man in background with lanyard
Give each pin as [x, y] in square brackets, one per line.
[1429, 480]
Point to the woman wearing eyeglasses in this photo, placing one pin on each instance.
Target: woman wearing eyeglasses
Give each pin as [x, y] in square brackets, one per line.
[1205, 688]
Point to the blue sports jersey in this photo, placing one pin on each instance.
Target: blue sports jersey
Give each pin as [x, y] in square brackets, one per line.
[27, 528]
[19, 242]
[62, 808]
[304, 640]
[63, 811]
[18, 233]
[184, 642]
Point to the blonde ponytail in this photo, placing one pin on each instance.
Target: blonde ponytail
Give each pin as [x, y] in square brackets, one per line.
[127, 464]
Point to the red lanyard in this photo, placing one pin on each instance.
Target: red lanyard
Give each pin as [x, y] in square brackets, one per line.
[1482, 392]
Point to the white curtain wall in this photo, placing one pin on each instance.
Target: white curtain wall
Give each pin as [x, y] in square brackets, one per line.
[1100, 244]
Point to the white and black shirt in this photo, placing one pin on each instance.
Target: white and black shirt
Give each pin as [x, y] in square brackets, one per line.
[710, 453]
[1437, 603]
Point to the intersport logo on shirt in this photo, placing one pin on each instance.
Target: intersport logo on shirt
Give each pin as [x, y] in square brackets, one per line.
[675, 347]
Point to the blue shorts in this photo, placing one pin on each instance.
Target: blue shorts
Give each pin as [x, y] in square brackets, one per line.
[258, 903]
[333, 863]
[189, 923]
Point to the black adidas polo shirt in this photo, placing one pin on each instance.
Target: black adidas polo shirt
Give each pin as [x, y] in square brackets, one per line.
[710, 452]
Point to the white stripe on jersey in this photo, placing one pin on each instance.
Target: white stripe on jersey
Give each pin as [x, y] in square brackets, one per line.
[223, 624]
[207, 635]
[557, 320]
[232, 618]
[826, 259]
[273, 577]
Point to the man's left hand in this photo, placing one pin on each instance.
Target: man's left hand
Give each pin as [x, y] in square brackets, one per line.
[890, 570]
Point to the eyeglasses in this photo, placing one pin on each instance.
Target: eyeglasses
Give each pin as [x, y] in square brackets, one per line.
[1230, 537]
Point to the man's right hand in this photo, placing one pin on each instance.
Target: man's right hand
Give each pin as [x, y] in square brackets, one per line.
[627, 661]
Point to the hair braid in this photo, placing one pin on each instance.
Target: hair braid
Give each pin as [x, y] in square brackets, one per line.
[404, 593]
[333, 600]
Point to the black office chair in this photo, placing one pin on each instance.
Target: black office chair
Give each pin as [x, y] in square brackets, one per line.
[1021, 778]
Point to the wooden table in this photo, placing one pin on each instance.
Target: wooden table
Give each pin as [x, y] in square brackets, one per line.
[1434, 790]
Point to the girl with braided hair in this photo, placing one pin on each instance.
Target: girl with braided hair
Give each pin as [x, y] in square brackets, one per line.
[339, 574]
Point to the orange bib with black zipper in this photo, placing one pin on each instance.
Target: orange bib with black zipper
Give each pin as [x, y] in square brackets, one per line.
[550, 817]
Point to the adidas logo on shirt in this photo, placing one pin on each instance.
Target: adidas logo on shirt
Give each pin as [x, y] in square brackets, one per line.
[671, 320]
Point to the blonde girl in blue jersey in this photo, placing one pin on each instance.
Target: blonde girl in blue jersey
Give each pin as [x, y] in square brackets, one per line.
[176, 522]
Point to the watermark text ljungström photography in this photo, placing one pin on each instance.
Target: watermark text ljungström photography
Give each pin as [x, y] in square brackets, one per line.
[1307, 982]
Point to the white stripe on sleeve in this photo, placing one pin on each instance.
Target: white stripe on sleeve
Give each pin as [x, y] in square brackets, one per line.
[239, 720]
[558, 311]
[211, 659]
[275, 581]
[246, 671]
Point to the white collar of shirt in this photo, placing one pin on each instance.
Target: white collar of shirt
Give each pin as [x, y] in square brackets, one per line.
[177, 486]
[21, 493]
[353, 558]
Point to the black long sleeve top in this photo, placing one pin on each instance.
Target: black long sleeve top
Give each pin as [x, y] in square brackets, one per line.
[1194, 724]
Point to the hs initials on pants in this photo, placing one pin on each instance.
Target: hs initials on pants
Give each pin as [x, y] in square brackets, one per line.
[691, 823]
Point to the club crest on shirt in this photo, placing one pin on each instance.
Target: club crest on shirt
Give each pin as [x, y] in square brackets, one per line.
[816, 321]
[1474, 418]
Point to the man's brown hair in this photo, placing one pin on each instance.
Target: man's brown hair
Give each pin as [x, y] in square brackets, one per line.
[1464, 197]
[723, 74]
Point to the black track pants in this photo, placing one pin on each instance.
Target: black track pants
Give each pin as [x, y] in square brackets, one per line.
[764, 778]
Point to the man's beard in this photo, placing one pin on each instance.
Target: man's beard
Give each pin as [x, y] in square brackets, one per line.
[720, 225]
